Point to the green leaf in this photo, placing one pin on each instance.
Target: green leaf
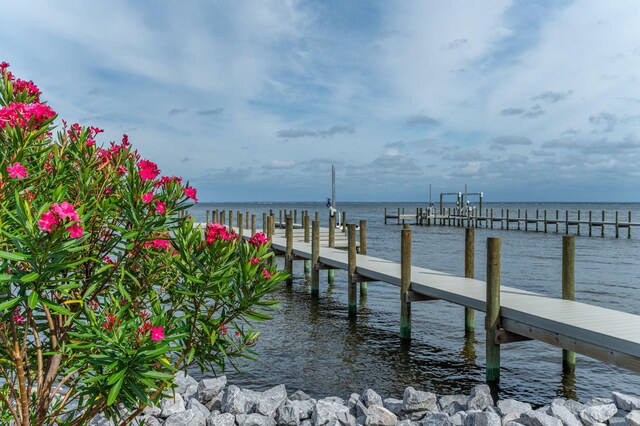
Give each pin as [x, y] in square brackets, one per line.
[13, 256]
[29, 277]
[9, 303]
[115, 391]
[32, 301]
[114, 378]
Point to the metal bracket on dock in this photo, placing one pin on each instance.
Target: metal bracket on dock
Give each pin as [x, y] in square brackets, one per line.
[412, 296]
[503, 336]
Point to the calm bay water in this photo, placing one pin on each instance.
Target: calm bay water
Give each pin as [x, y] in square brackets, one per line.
[314, 346]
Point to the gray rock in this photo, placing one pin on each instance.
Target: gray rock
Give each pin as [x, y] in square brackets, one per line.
[288, 415]
[171, 406]
[254, 419]
[194, 404]
[299, 396]
[626, 402]
[394, 405]
[480, 398]
[448, 400]
[598, 413]
[148, 421]
[100, 420]
[305, 408]
[326, 411]
[574, 406]
[453, 408]
[371, 397]
[480, 418]
[361, 410]
[238, 401]
[215, 404]
[538, 418]
[181, 381]
[512, 406]
[352, 401]
[406, 423]
[210, 388]
[270, 400]
[633, 418]
[306, 423]
[599, 401]
[415, 400]
[152, 410]
[513, 423]
[377, 415]
[226, 419]
[617, 421]
[345, 419]
[458, 418]
[437, 419]
[335, 399]
[186, 418]
[563, 413]
[190, 392]
[414, 415]
[510, 417]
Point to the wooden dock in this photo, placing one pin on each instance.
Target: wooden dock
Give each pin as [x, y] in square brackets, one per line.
[512, 314]
[568, 222]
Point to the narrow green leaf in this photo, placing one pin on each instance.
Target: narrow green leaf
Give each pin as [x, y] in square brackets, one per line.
[9, 303]
[13, 256]
[115, 391]
[32, 301]
[30, 277]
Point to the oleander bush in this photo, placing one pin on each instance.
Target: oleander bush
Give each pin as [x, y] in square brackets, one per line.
[106, 287]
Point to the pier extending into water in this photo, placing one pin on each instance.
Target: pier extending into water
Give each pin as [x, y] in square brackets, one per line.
[512, 314]
[569, 222]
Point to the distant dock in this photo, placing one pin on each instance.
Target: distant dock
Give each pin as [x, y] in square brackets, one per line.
[569, 222]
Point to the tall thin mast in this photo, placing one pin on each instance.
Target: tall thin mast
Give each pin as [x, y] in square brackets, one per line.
[333, 186]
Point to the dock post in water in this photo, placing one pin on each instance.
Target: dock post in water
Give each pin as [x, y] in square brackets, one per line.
[491, 218]
[566, 222]
[331, 243]
[208, 215]
[315, 256]
[557, 219]
[578, 221]
[617, 223]
[363, 250]
[492, 319]
[568, 292]
[518, 219]
[590, 214]
[253, 225]
[507, 218]
[398, 215]
[307, 239]
[264, 223]
[469, 249]
[230, 219]
[526, 219]
[545, 221]
[240, 227]
[351, 272]
[405, 283]
[537, 220]
[222, 217]
[385, 215]
[247, 217]
[288, 257]
[344, 222]
[629, 228]
[602, 228]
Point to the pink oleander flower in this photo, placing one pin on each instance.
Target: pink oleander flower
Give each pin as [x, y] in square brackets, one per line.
[160, 205]
[259, 239]
[111, 322]
[75, 231]
[266, 273]
[19, 114]
[122, 170]
[148, 170]
[47, 221]
[190, 192]
[236, 333]
[28, 86]
[147, 198]
[109, 261]
[254, 260]
[222, 329]
[65, 210]
[157, 333]
[90, 142]
[159, 244]
[17, 318]
[165, 180]
[17, 171]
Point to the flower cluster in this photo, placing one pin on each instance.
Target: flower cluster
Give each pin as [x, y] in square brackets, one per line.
[217, 231]
[58, 214]
[259, 239]
[148, 170]
[22, 115]
[17, 171]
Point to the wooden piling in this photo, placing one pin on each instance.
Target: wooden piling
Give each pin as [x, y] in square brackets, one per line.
[492, 319]
[566, 222]
[307, 239]
[568, 292]
[351, 261]
[502, 218]
[602, 228]
[578, 226]
[363, 250]
[617, 225]
[264, 223]
[590, 212]
[491, 218]
[518, 219]
[526, 219]
[288, 257]
[537, 222]
[398, 215]
[208, 215]
[332, 244]
[315, 256]
[295, 215]
[629, 228]
[405, 283]
[280, 221]
[469, 254]
[344, 222]
[247, 218]
[545, 221]
[270, 231]
[253, 225]
[507, 218]
[385, 215]
[557, 219]
[216, 217]
[240, 227]
[223, 217]
[230, 219]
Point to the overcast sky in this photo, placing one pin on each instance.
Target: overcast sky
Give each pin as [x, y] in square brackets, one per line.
[254, 100]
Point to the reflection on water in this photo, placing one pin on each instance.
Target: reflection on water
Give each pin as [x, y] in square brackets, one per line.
[313, 345]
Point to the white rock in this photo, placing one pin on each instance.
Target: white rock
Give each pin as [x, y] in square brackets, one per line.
[299, 396]
[226, 419]
[305, 408]
[394, 405]
[563, 413]
[238, 401]
[194, 404]
[480, 398]
[598, 413]
[182, 381]
[626, 402]
[171, 406]
[538, 418]
[288, 414]
[436, 419]
[379, 416]
[186, 418]
[599, 401]
[326, 411]
[415, 400]
[512, 406]
[482, 418]
[269, 401]
[210, 388]
[617, 421]
[254, 419]
[371, 397]
[446, 401]
[633, 418]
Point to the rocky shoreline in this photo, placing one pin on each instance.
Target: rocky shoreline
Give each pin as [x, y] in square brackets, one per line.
[212, 402]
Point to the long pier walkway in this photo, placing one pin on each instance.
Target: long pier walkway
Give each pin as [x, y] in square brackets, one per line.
[604, 334]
